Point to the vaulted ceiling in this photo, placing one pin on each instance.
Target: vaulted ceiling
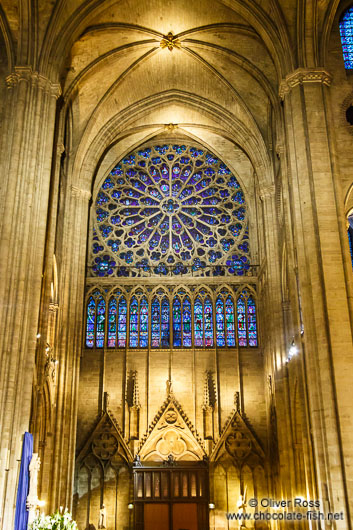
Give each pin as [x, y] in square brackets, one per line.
[219, 83]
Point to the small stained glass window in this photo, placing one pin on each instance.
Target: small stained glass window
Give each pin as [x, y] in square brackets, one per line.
[112, 323]
[208, 323]
[187, 339]
[198, 323]
[134, 323]
[242, 338]
[346, 32]
[252, 325]
[165, 323]
[230, 324]
[220, 336]
[122, 323]
[156, 323]
[176, 323]
[91, 318]
[100, 323]
[144, 323]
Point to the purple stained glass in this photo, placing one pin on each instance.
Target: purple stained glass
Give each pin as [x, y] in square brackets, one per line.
[112, 312]
[100, 323]
[122, 323]
[208, 323]
[220, 331]
[143, 323]
[168, 207]
[155, 323]
[198, 323]
[346, 32]
[91, 318]
[134, 323]
[176, 323]
[242, 338]
[187, 334]
[230, 323]
[252, 324]
[165, 324]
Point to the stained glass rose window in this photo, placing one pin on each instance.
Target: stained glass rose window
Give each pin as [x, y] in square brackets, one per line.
[170, 210]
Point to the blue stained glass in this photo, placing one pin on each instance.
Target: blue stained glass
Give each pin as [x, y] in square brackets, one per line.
[167, 208]
[155, 323]
[252, 325]
[144, 323]
[176, 323]
[198, 323]
[187, 338]
[220, 331]
[346, 31]
[134, 322]
[100, 323]
[242, 338]
[208, 323]
[230, 322]
[122, 323]
[112, 323]
[165, 323]
[350, 241]
[91, 318]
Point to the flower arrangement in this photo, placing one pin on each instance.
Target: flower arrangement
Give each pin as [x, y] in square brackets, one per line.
[56, 521]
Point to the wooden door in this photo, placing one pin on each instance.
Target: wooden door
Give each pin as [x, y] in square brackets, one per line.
[185, 516]
[156, 516]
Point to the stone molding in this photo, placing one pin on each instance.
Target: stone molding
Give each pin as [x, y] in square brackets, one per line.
[25, 73]
[304, 75]
[267, 192]
[80, 194]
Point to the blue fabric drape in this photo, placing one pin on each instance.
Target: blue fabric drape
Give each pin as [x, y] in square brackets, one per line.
[21, 515]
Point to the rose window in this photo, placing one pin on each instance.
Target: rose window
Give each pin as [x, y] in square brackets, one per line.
[170, 209]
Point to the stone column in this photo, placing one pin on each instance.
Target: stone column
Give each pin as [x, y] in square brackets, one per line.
[26, 148]
[316, 213]
[70, 323]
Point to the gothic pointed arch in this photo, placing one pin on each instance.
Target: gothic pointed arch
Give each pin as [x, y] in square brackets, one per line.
[171, 433]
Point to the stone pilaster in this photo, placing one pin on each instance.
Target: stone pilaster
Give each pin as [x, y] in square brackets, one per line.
[26, 149]
[321, 272]
[69, 344]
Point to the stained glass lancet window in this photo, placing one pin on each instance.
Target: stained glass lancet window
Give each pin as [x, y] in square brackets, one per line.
[230, 324]
[176, 323]
[346, 31]
[155, 323]
[122, 322]
[208, 322]
[242, 337]
[187, 336]
[134, 322]
[100, 323]
[198, 322]
[112, 323]
[143, 323]
[220, 335]
[170, 209]
[165, 324]
[252, 324]
[91, 319]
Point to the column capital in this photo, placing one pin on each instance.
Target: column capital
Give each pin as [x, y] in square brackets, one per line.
[304, 75]
[80, 194]
[25, 73]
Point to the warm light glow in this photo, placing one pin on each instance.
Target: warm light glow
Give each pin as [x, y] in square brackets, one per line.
[130, 506]
[38, 335]
[211, 506]
[293, 350]
[41, 503]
